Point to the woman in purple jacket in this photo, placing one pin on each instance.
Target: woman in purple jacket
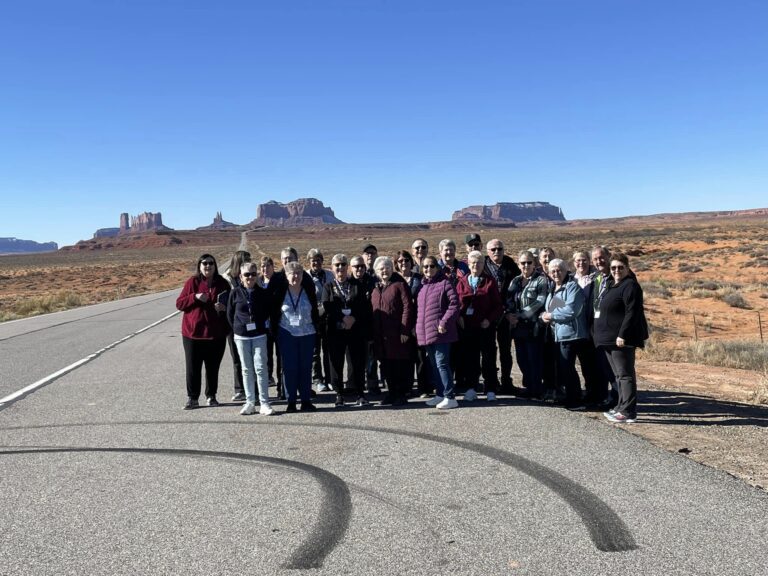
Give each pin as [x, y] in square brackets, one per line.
[436, 314]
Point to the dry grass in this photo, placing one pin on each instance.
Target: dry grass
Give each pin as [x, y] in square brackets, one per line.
[743, 354]
[42, 305]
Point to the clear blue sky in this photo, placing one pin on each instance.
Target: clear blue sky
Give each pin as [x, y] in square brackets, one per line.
[388, 111]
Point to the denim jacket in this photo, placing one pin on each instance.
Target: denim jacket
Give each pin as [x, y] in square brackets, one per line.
[569, 316]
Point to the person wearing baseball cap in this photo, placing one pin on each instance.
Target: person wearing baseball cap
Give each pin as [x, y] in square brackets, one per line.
[472, 242]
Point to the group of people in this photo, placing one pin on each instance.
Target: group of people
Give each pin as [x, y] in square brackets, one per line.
[439, 320]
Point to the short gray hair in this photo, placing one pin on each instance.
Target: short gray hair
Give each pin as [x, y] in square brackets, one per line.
[557, 263]
[476, 255]
[292, 267]
[383, 260]
[446, 242]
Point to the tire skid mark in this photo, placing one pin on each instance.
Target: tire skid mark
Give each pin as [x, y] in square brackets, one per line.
[335, 508]
[607, 530]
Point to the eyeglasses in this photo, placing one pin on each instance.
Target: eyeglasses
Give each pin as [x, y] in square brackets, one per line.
[474, 245]
[339, 264]
[428, 266]
[497, 249]
[525, 262]
[419, 247]
[614, 268]
[250, 274]
[208, 263]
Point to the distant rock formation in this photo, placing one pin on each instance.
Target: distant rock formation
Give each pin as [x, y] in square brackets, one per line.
[16, 246]
[218, 224]
[106, 232]
[142, 223]
[301, 212]
[506, 211]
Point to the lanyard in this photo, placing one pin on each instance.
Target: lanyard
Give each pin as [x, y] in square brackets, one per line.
[344, 293]
[295, 303]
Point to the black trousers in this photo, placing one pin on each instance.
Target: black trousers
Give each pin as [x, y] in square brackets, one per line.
[478, 348]
[594, 380]
[622, 361]
[321, 362]
[238, 368]
[198, 353]
[423, 370]
[339, 343]
[504, 340]
[398, 375]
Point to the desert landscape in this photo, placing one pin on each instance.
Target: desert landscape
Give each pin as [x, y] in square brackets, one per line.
[703, 375]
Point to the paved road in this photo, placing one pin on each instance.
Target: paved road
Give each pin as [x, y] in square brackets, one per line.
[103, 473]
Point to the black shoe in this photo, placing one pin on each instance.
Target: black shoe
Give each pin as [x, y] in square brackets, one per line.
[307, 407]
[388, 399]
[312, 393]
[400, 401]
[339, 401]
[191, 404]
[362, 401]
[238, 397]
[212, 402]
[291, 408]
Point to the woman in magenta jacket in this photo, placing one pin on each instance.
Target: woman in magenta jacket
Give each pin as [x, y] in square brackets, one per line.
[204, 329]
[436, 313]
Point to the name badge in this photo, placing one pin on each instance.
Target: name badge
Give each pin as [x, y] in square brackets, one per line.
[251, 326]
[294, 320]
[597, 313]
[346, 311]
[470, 311]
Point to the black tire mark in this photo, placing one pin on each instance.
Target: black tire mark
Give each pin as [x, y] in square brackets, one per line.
[335, 507]
[606, 530]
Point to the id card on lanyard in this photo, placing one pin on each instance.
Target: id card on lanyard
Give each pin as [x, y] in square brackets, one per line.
[294, 316]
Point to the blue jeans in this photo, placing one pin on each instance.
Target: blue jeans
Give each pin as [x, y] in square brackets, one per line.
[253, 359]
[530, 359]
[566, 369]
[296, 352]
[439, 356]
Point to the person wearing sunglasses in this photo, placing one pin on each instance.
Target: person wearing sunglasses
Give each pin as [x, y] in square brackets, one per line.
[620, 329]
[437, 311]
[503, 269]
[204, 329]
[524, 301]
[346, 312]
[248, 312]
[420, 250]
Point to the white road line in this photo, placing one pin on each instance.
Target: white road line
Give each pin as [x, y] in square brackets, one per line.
[75, 365]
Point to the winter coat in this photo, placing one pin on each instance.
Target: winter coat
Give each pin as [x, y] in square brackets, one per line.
[527, 303]
[621, 315]
[241, 312]
[484, 303]
[569, 319]
[393, 316]
[333, 303]
[437, 305]
[200, 320]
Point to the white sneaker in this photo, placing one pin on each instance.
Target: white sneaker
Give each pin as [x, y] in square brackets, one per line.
[491, 397]
[266, 410]
[470, 395]
[447, 404]
[435, 401]
[249, 408]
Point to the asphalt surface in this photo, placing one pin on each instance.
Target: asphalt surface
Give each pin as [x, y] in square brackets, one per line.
[103, 473]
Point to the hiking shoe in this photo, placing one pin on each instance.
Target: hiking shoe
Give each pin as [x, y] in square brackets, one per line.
[238, 397]
[212, 402]
[470, 395]
[191, 404]
[447, 404]
[339, 401]
[435, 401]
[266, 410]
[248, 409]
[491, 397]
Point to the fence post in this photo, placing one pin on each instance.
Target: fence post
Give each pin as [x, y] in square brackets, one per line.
[695, 330]
[760, 325]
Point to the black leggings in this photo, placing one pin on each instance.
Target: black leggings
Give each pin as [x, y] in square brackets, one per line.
[197, 353]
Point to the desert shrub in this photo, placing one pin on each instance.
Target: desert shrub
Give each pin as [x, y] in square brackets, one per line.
[742, 354]
[692, 268]
[45, 304]
[640, 266]
[699, 293]
[657, 289]
[735, 300]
